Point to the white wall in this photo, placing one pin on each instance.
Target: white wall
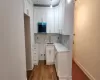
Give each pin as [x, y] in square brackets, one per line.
[87, 38]
[12, 40]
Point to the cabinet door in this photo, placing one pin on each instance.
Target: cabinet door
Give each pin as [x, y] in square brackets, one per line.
[56, 20]
[69, 18]
[60, 17]
[50, 21]
[35, 55]
[56, 60]
[64, 64]
[35, 58]
[50, 54]
[47, 56]
[25, 6]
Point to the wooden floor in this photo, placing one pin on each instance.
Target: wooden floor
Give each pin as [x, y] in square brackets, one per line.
[43, 72]
[77, 73]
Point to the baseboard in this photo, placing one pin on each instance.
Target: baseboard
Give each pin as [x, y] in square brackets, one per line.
[65, 78]
[29, 72]
[84, 70]
[49, 63]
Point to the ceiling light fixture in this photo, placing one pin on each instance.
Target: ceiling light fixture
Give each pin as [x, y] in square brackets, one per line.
[68, 1]
[51, 6]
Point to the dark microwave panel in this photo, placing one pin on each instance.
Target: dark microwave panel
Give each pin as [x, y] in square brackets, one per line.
[42, 27]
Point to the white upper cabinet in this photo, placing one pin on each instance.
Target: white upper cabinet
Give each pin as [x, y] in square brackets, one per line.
[28, 5]
[68, 17]
[59, 19]
[61, 16]
[48, 15]
[50, 21]
[56, 19]
[40, 15]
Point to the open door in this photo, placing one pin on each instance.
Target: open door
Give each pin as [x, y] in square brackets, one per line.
[27, 43]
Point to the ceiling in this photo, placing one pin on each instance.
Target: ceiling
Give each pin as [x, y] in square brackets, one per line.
[47, 2]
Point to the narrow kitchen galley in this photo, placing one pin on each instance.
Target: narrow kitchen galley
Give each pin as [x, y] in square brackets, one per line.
[49, 45]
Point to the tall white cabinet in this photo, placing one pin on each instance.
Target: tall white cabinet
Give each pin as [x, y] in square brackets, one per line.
[68, 17]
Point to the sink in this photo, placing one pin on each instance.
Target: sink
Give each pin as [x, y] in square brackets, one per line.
[49, 43]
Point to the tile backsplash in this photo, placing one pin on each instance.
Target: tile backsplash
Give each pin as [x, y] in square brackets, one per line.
[53, 38]
[65, 40]
[42, 39]
[46, 38]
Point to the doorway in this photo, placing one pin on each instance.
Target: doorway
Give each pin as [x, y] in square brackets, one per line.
[27, 43]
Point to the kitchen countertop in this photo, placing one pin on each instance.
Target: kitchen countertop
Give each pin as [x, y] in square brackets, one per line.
[60, 48]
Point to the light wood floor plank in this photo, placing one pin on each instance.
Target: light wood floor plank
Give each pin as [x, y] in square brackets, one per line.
[43, 72]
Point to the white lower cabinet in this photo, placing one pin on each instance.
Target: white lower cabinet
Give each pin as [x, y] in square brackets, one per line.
[50, 54]
[63, 65]
[35, 54]
[56, 61]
